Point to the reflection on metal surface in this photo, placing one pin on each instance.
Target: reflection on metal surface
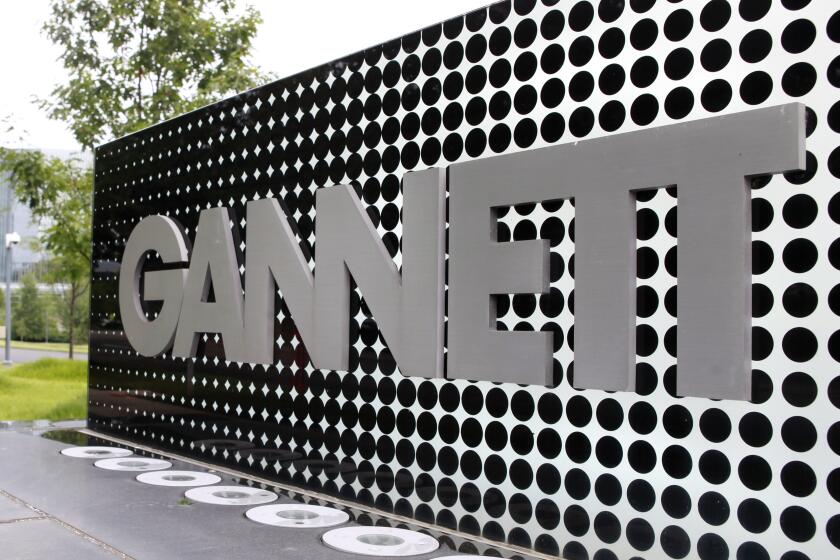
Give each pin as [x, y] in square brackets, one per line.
[224, 444]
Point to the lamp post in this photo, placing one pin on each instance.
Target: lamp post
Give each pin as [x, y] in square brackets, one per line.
[12, 239]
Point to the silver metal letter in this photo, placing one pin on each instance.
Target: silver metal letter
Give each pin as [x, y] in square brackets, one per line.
[162, 235]
[213, 264]
[274, 257]
[708, 161]
[408, 308]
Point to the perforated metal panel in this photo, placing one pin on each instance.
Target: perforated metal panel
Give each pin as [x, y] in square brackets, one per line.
[582, 474]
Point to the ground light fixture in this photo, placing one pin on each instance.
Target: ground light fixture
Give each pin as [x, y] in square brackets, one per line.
[133, 464]
[95, 452]
[380, 541]
[230, 495]
[179, 478]
[297, 516]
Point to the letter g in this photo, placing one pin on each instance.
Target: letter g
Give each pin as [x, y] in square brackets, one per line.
[164, 236]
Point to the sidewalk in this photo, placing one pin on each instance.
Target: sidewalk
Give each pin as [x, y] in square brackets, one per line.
[20, 355]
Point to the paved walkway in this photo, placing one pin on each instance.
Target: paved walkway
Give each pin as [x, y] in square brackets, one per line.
[53, 506]
[20, 355]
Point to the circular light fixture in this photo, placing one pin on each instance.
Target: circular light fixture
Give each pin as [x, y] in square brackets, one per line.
[179, 478]
[380, 541]
[132, 464]
[231, 495]
[95, 452]
[297, 515]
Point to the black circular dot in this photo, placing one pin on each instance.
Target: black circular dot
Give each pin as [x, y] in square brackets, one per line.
[716, 95]
[715, 15]
[639, 534]
[611, 79]
[715, 425]
[755, 45]
[833, 27]
[552, 58]
[712, 547]
[753, 10]
[799, 344]
[762, 300]
[713, 508]
[755, 473]
[677, 421]
[581, 50]
[581, 86]
[676, 461]
[644, 109]
[679, 102]
[799, 79]
[678, 25]
[756, 87]
[581, 121]
[754, 515]
[800, 255]
[715, 55]
[609, 10]
[678, 63]
[800, 299]
[643, 34]
[755, 429]
[714, 466]
[799, 434]
[798, 479]
[611, 116]
[676, 502]
[798, 35]
[644, 71]
[551, 25]
[580, 16]
[762, 257]
[640, 495]
[611, 42]
[675, 542]
[800, 211]
[833, 72]
[798, 524]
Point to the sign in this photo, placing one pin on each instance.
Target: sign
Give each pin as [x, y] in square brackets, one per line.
[707, 160]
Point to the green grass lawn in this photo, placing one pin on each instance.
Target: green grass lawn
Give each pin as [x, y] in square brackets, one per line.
[52, 389]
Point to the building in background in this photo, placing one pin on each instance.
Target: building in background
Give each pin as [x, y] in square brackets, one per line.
[27, 255]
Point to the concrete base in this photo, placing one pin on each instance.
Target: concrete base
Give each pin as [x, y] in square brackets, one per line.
[89, 513]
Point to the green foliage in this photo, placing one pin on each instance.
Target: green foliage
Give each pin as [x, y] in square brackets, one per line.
[133, 63]
[28, 311]
[50, 388]
[58, 193]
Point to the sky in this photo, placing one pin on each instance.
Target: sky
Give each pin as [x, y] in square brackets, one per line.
[295, 35]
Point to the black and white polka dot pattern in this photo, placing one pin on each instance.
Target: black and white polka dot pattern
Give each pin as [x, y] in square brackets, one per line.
[582, 474]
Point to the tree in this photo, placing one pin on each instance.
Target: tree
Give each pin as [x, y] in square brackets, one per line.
[28, 313]
[133, 63]
[58, 192]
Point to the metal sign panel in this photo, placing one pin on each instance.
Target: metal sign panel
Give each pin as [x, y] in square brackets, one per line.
[562, 128]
